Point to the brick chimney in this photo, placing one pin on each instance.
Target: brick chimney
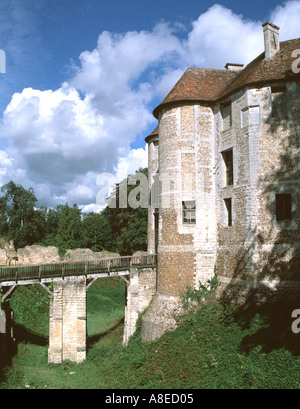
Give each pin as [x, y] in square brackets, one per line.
[271, 39]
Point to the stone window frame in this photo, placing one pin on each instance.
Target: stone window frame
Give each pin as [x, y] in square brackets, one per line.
[192, 203]
[228, 220]
[224, 167]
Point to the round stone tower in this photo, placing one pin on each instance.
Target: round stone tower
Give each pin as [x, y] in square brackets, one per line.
[186, 227]
[152, 141]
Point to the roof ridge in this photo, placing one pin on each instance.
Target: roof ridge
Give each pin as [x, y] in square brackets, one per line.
[208, 69]
[260, 70]
[209, 85]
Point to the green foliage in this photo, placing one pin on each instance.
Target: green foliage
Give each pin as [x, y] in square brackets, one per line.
[122, 230]
[19, 221]
[133, 231]
[210, 349]
[62, 251]
[97, 232]
[68, 229]
[128, 225]
[228, 315]
[31, 309]
[193, 299]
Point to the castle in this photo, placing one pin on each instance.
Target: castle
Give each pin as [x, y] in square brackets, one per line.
[224, 179]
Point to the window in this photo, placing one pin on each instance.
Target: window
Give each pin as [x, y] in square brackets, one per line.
[228, 208]
[226, 115]
[279, 103]
[189, 212]
[228, 161]
[283, 207]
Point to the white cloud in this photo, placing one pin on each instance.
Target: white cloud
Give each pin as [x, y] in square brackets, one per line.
[166, 82]
[220, 36]
[6, 163]
[137, 158]
[123, 58]
[59, 141]
[287, 17]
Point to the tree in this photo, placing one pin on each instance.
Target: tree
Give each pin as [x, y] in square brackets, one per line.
[114, 229]
[19, 220]
[133, 231]
[69, 228]
[97, 233]
[128, 225]
[51, 229]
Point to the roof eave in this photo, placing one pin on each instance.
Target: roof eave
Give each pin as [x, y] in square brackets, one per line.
[176, 103]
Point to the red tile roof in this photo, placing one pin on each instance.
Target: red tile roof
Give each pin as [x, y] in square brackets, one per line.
[198, 84]
[209, 85]
[261, 71]
[154, 133]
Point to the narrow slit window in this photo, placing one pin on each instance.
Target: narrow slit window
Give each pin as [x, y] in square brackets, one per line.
[228, 208]
[228, 161]
[283, 207]
[189, 212]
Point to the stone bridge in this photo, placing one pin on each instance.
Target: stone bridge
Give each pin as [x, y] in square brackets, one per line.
[67, 284]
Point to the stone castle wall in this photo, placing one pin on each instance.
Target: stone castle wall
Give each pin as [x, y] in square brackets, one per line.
[250, 250]
[257, 251]
[153, 191]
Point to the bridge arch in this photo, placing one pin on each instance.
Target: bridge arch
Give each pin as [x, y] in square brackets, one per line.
[67, 283]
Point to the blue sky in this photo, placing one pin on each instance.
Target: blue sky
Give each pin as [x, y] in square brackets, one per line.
[83, 76]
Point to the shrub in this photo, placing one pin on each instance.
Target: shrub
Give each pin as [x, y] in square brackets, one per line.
[193, 299]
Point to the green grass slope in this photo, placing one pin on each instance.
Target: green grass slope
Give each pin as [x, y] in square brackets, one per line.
[214, 347]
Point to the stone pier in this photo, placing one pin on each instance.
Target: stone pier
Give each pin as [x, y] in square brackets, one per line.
[139, 294]
[7, 344]
[67, 332]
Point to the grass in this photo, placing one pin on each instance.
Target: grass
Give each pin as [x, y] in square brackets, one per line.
[214, 347]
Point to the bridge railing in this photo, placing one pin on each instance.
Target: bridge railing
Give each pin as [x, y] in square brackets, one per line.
[39, 271]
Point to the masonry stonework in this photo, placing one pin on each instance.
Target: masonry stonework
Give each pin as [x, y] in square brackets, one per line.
[68, 314]
[139, 293]
[227, 142]
[67, 332]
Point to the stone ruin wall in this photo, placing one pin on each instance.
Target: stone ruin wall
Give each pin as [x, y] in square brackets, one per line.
[37, 254]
